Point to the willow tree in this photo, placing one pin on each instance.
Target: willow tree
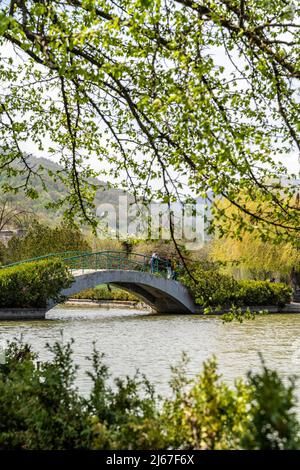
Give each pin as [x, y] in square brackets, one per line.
[190, 92]
[258, 250]
[251, 256]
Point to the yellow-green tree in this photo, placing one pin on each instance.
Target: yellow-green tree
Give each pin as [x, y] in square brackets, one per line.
[255, 257]
[248, 253]
[41, 239]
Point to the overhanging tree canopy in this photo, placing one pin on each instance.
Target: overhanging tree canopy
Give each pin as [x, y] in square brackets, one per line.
[204, 90]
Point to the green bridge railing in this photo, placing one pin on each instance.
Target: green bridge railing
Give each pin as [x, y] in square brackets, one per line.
[104, 260]
[62, 254]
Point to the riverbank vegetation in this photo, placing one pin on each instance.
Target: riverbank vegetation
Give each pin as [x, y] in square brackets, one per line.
[32, 284]
[252, 258]
[251, 254]
[105, 292]
[41, 407]
[208, 283]
[41, 239]
[212, 288]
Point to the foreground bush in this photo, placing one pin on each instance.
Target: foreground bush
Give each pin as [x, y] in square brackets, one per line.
[41, 408]
[32, 284]
[210, 288]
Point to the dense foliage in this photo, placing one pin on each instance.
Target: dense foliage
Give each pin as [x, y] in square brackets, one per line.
[272, 416]
[252, 254]
[155, 90]
[263, 293]
[40, 239]
[105, 293]
[41, 408]
[210, 288]
[32, 284]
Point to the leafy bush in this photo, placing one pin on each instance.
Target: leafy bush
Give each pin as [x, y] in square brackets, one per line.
[213, 289]
[41, 408]
[32, 284]
[273, 423]
[264, 293]
[206, 413]
[104, 293]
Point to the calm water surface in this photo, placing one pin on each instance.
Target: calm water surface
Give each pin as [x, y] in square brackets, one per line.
[133, 339]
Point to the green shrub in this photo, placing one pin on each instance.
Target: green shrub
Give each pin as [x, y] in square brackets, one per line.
[213, 289]
[38, 405]
[32, 284]
[273, 417]
[104, 293]
[206, 414]
[41, 408]
[263, 293]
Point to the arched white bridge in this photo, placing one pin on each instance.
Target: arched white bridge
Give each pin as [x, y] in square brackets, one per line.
[163, 295]
[133, 272]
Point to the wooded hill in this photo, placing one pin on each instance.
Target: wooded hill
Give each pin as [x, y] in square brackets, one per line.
[40, 207]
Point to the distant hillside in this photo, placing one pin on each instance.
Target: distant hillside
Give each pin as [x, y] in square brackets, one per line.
[55, 190]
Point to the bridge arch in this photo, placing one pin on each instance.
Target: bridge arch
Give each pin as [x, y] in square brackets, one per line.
[163, 295]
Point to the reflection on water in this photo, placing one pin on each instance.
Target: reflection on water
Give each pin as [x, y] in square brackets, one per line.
[132, 339]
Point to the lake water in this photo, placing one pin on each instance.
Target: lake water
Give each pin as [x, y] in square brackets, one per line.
[133, 339]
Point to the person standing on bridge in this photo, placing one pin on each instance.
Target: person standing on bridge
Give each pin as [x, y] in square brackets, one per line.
[154, 263]
[174, 267]
[169, 269]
